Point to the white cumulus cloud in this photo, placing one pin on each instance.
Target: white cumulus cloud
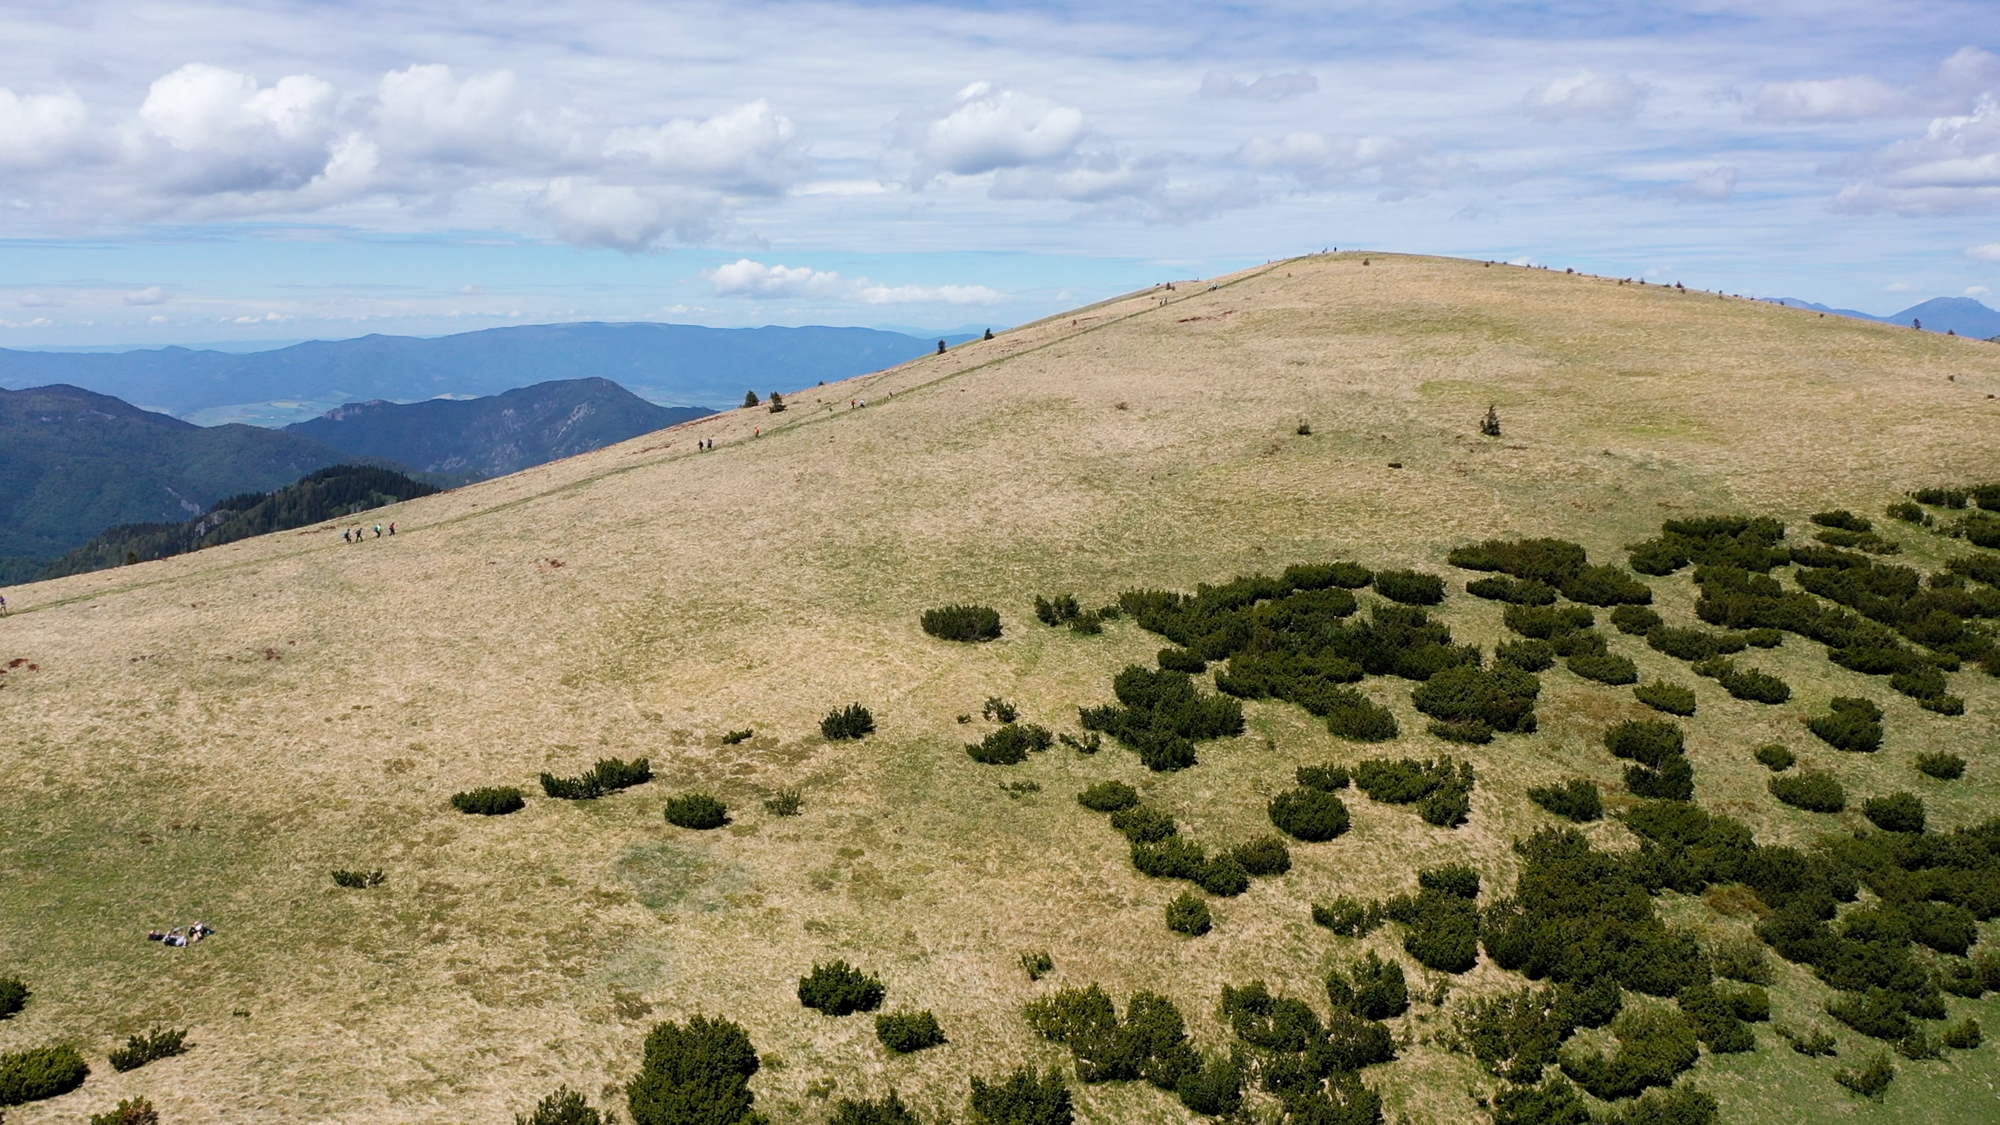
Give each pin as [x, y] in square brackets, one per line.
[1952, 169]
[1987, 253]
[1717, 184]
[151, 295]
[41, 129]
[758, 281]
[1830, 99]
[988, 128]
[1586, 94]
[750, 148]
[585, 212]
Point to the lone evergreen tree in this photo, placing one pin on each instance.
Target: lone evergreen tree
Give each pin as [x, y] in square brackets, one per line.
[989, 333]
[1490, 426]
[749, 398]
[777, 403]
[940, 347]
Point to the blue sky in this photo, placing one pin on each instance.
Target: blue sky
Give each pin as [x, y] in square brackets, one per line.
[175, 172]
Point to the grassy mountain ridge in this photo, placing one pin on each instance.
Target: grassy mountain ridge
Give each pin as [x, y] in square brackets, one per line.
[498, 434]
[643, 599]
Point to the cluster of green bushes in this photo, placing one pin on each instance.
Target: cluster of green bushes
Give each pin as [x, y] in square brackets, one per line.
[693, 1074]
[1441, 788]
[886, 1110]
[1897, 812]
[359, 880]
[1546, 623]
[1577, 799]
[1941, 765]
[1654, 1046]
[1744, 683]
[846, 723]
[968, 623]
[1149, 1043]
[1308, 814]
[908, 1032]
[159, 1043]
[1660, 769]
[1635, 621]
[1162, 716]
[1774, 757]
[1811, 790]
[1371, 988]
[609, 775]
[142, 1111]
[39, 1073]
[1476, 702]
[564, 1107]
[1515, 591]
[1660, 695]
[1555, 564]
[840, 989]
[1933, 614]
[1529, 655]
[489, 801]
[1312, 1066]
[1441, 921]
[13, 996]
[1289, 638]
[699, 811]
[1010, 744]
[1108, 797]
[1516, 1035]
[1022, 1098]
[1738, 542]
[1851, 723]
[1188, 914]
[1327, 778]
[1410, 587]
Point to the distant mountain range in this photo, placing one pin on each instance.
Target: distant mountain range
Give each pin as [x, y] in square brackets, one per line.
[74, 463]
[679, 364]
[1961, 316]
[489, 437]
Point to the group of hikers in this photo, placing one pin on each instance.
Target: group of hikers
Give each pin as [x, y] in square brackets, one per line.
[359, 533]
[180, 938]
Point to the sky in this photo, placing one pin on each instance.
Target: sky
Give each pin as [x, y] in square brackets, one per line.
[176, 171]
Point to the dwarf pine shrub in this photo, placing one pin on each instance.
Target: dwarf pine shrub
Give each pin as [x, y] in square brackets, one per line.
[695, 1074]
[1346, 916]
[489, 801]
[1869, 1081]
[1635, 620]
[1108, 797]
[1671, 780]
[1663, 696]
[1143, 824]
[13, 996]
[1023, 1098]
[1327, 778]
[358, 880]
[1182, 660]
[1501, 697]
[886, 1110]
[1644, 740]
[998, 710]
[1010, 745]
[1851, 724]
[1606, 586]
[785, 802]
[1774, 757]
[1943, 766]
[142, 1111]
[1604, 667]
[849, 722]
[968, 623]
[1359, 719]
[1410, 587]
[1811, 790]
[1577, 800]
[1654, 1046]
[1516, 591]
[1529, 655]
[699, 811]
[1897, 812]
[1188, 914]
[1037, 963]
[38, 1073]
[1263, 855]
[1963, 1035]
[1311, 815]
[1745, 683]
[609, 775]
[736, 736]
[1059, 610]
[840, 989]
[907, 1032]
[160, 1043]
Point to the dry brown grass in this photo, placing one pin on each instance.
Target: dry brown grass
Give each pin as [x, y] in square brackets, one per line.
[163, 765]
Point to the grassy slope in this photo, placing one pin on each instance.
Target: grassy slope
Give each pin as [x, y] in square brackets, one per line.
[208, 735]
